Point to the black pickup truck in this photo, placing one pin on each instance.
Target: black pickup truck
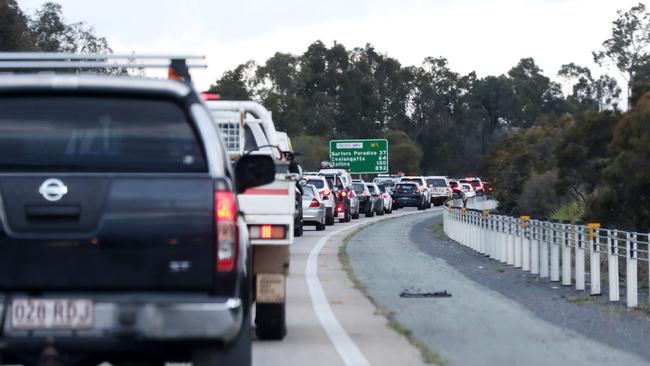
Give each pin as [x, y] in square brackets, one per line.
[120, 237]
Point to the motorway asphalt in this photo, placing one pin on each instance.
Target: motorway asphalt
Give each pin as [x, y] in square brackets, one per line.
[478, 325]
[361, 337]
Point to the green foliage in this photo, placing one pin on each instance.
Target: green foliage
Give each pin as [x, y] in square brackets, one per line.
[235, 84]
[539, 196]
[314, 149]
[622, 195]
[626, 49]
[404, 153]
[570, 211]
[582, 153]
[15, 34]
[46, 30]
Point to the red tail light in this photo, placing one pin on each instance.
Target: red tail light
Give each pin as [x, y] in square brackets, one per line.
[385, 195]
[314, 203]
[343, 194]
[225, 214]
[339, 208]
[325, 192]
[210, 96]
[417, 191]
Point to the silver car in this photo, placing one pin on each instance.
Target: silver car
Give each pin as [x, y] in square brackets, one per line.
[326, 194]
[314, 211]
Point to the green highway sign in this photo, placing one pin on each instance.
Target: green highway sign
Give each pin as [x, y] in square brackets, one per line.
[360, 156]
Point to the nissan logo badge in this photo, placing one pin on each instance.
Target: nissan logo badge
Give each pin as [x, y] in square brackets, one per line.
[53, 189]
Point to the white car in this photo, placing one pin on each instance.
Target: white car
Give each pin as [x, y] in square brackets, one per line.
[468, 190]
[440, 189]
[388, 199]
[326, 195]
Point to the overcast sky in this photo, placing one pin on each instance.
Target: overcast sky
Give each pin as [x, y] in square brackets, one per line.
[488, 37]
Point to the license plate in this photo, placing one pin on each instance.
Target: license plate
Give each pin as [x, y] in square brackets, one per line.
[51, 313]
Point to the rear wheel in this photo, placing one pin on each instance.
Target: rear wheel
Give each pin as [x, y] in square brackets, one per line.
[329, 218]
[320, 226]
[298, 226]
[356, 215]
[370, 213]
[270, 321]
[421, 206]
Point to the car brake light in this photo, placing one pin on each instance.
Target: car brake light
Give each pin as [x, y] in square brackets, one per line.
[343, 194]
[326, 192]
[314, 203]
[339, 208]
[210, 96]
[225, 212]
[267, 231]
[417, 191]
[385, 195]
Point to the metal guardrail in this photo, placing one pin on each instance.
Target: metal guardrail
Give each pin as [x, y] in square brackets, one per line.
[554, 250]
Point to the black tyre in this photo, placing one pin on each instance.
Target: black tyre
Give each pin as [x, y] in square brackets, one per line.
[270, 321]
[381, 211]
[370, 213]
[356, 215]
[320, 226]
[329, 217]
[298, 229]
[421, 206]
[348, 216]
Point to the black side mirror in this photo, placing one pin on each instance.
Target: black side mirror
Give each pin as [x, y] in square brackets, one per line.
[254, 170]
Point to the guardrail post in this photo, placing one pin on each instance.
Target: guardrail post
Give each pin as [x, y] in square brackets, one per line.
[612, 265]
[567, 233]
[518, 243]
[556, 240]
[544, 249]
[534, 246]
[594, 257]
[525, 243]
[503, 240]
[580, 257]
[511, 240]
[631, 270]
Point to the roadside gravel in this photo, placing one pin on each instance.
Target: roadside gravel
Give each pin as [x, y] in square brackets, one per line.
[477, 325]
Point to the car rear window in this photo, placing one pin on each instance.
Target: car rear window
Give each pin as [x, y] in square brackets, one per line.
[406, 187]
[316, 183]
[417, 181]
[436, 182]
[358, 187]
[96, 134]
[309, 190]
[476, 183]
[371, 188]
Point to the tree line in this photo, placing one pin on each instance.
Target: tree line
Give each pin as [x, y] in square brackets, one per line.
[46, 30]
[564, 146]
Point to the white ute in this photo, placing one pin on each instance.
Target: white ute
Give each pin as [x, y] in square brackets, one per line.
[247, 128]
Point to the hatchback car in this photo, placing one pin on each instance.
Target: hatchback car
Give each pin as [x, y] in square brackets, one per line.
[314, 211]
[379, 202]
[326, 195]
[388, 199]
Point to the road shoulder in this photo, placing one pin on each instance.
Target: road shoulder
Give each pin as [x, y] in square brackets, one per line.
[364, 323]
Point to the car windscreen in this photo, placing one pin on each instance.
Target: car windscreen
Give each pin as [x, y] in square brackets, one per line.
[358, 187]
[436, 182]
[96, 134]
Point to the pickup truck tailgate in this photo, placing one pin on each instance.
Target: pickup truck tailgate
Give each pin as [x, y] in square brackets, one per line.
[103, 193]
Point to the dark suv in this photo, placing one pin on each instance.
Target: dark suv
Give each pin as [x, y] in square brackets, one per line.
[120, 237]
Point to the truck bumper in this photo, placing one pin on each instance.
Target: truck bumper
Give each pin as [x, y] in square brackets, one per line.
[125, 318]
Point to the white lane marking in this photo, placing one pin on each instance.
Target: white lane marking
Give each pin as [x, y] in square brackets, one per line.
[345, 346]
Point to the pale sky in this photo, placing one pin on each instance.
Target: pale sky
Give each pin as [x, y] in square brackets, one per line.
[488, 37]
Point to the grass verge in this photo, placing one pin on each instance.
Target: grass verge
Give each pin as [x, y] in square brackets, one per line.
[438, 232]
[428, 356]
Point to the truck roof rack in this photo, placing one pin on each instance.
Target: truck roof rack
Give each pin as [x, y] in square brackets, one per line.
[178, 65]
